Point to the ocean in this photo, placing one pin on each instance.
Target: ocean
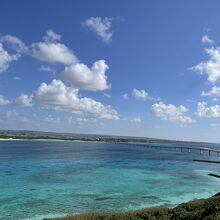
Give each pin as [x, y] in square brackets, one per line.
[54, 178]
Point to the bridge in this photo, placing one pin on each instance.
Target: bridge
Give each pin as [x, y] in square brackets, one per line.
[203, 150]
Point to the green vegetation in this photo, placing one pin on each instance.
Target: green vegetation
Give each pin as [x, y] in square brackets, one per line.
[201, 209]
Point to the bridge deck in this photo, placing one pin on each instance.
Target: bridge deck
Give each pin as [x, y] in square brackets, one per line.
[202, 150]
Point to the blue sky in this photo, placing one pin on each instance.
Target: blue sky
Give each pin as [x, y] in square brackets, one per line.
[141, 68]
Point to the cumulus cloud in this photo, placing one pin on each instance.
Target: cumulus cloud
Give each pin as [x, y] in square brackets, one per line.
[215, 99]
[52, 51]
[4, 101]
[81, 121]
[14, 116]
[24, 100]
[17, 78]
[85, 78]
[14, 43]
[136, 119]
[51, 36]
[215, 91]
[205, 111]
[6, 58]
[171, 112]
[16, 48]
[100, 26]
[78, 74]
[211, 67]
[47, 69]
[140, 94]
[125, 96]
[58, 97]
[206, 40]
[107, 95]
[52, 119]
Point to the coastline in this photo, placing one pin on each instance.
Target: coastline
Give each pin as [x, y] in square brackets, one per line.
[34, 139]
[11, 139]
[198, 209]
[28, 134]
[49, 139]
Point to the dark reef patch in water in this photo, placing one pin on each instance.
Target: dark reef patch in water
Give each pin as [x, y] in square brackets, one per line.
[25, 170]
[9, 173]
[150, 197]
[103, 198]
[7, 200]
[32, 189]
[43, 167]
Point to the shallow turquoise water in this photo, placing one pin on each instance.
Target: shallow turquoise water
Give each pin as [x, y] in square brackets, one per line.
[50, 178]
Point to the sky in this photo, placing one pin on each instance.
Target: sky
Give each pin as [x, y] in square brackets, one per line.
[137, 68]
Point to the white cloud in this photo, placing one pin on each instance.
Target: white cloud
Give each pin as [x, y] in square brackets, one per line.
[52, 119]
[83, 77]
[4, 101]
[51, 36]
[24, 100]
[6, 58]
[155, 99]
[100, 26]
[215, 91]
[14, 44]
[171, 112]
[125, 96]
[140, 94]
[206, 40]
[14, 116]
[17, 78]
[11, 113]
[107, 95]
[50, 50]
[80, 75]
[47, 69]
[81, 121]
[212, 66]
[57, 96]
[214, 125]
[136, 119]
[205, 111]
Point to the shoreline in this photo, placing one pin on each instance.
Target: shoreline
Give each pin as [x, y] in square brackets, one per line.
[197, 209]
[35, 139]
[52, 140]
[26, 134]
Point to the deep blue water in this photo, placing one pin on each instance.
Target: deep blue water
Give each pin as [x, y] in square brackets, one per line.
[52, 178]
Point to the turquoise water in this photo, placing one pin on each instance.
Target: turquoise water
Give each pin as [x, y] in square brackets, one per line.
[55, 178]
